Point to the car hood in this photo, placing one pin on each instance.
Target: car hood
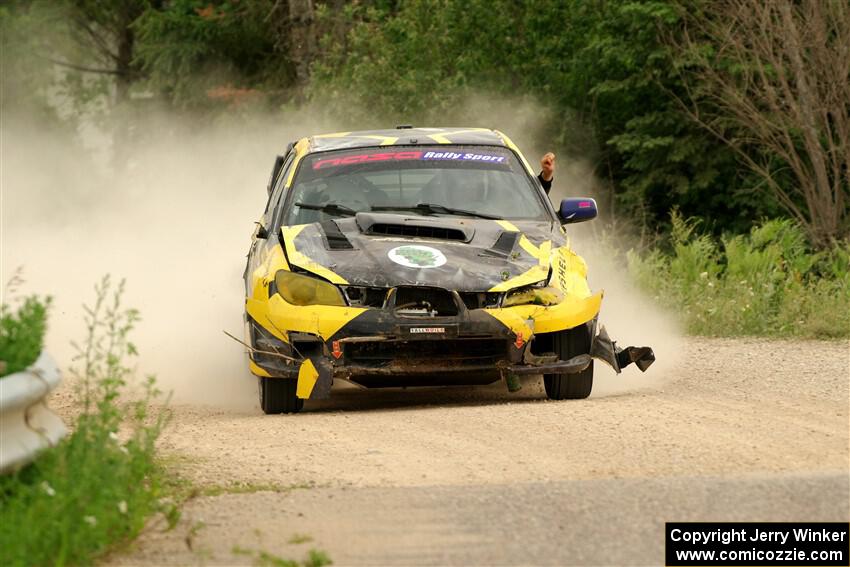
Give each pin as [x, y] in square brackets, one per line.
[387, 250]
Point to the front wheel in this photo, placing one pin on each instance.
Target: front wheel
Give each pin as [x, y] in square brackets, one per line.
[566, 345]
[277, 395]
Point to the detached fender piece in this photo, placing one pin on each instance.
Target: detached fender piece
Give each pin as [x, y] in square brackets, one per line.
[618, 358]
[315, 376]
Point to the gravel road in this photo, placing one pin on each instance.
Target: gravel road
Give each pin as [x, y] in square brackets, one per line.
[746, 430]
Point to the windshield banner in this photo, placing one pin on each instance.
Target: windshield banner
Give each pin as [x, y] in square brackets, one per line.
[409, 155]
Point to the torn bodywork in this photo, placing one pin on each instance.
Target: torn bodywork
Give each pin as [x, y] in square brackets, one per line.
[453, 353]
[618, 358]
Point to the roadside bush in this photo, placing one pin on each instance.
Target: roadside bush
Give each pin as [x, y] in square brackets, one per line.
[767, 282]
[98, 486]
[21, 330]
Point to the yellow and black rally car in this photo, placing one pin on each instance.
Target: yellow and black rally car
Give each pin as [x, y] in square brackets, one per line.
[418, 257]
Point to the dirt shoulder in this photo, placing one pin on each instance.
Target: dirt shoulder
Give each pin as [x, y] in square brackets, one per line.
[734, 413]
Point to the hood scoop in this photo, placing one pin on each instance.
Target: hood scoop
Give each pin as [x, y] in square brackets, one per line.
[375, 224]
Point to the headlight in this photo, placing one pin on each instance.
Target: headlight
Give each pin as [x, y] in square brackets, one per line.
[531, 295]
[305, 290]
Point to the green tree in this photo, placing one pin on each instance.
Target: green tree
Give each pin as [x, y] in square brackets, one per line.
[602, 64]
[772, 81]
[197, 52]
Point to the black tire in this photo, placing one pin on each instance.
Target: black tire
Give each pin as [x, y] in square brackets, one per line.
[277, 395]
[568, 344]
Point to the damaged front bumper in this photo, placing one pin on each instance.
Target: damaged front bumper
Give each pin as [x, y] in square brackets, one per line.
[378, 350]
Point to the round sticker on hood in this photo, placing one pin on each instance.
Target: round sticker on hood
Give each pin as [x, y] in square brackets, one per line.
[416, 256]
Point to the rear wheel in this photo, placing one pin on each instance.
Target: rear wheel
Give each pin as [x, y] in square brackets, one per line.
[277, 395]
[568, 344]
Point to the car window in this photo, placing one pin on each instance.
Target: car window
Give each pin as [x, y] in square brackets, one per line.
[487, 180]
[277, 190]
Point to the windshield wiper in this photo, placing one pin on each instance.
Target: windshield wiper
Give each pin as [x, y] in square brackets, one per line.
[431, 208]
[332, 208]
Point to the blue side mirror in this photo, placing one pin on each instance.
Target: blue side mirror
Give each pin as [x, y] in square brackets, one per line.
[579, 209]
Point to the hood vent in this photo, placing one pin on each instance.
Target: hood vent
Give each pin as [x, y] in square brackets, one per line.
[388, 224]
[336, 239]
[504, 244]
[415, 231]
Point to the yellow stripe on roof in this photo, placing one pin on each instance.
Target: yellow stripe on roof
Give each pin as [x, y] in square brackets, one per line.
[385, 140]
[301, 149]
[508, 142]
[443, 139]
[439, 138]
[334, 135]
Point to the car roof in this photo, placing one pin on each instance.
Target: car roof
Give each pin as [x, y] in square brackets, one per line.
[405, 136]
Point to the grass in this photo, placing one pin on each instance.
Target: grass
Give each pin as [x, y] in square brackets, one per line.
[766, 283]
[250, 488]
[180, 489]
[315, 558]
[96, 489]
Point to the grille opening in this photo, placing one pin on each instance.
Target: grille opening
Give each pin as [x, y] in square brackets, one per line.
[424, 302]
[365, 296]
[459, 351]
[543, 343]
[307, 348]
[456, 378]
[480, 300]
[414, 231]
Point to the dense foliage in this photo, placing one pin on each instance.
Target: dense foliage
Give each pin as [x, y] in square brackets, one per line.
[767, 282]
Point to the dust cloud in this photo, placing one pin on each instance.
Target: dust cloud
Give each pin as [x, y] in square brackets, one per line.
[177, 221]
[631, 317]
[176, 224]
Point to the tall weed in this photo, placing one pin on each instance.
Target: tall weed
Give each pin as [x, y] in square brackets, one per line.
[98, 486]
[767, 282]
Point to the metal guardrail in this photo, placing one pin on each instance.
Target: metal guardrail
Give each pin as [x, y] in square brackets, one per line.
[27, 425]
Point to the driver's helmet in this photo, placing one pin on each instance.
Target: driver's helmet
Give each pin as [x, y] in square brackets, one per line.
[341, 191]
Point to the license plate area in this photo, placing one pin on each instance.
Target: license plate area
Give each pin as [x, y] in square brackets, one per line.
[426, 348]
[427, 331]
